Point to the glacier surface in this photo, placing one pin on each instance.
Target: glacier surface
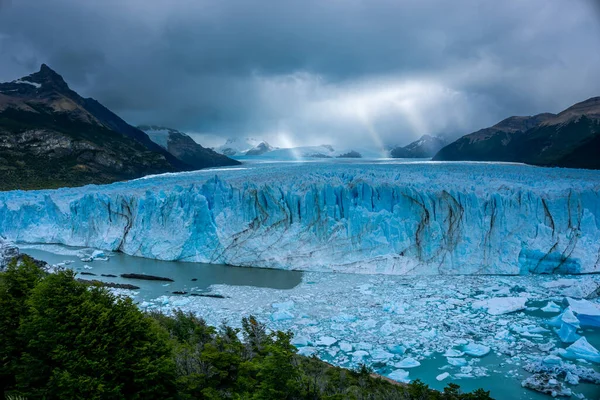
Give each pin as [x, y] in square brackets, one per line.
[389, 218]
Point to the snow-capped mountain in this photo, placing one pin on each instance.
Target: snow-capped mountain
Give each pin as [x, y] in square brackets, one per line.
[251, 147]
[238, 146]
[262, 148]
[425, 147]
[185, 148]
[322, 151]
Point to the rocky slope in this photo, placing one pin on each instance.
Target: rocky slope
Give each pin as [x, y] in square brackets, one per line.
[51, 137]
[568, 139]
[425, 147]
[185, 149]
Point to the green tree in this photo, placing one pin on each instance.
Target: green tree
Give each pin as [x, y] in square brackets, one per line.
[81, 342]
[16, 283]
[279, 375]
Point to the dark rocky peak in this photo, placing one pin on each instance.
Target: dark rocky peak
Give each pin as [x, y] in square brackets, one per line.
[42, 82]
[48, 79]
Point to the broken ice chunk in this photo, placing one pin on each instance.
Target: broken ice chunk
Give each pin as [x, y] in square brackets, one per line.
[581, 349]
[388, 328]
[359, 355]
[500, 305]
[326, 341]
[456, 361]
[396, 308]
[588, 313]
[300, 341]
[453, 353]
[551, 307]
[345, 346]
[368, 324]
[476, 350]
[399, 375]
[344, 318]
[568, 325]
[281, 315]
[552, 360]
[443, 376]
[572, 379]
[396, 349]
[286, 305]
[364, 346]
[430, 334]
[567, 333]
[381, 355]
[408, 362]
[307, 351]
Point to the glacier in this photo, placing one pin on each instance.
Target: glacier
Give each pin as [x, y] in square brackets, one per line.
[387, 218]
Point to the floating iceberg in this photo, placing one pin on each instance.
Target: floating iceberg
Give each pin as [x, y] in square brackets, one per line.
[581, 349]
[453, 353]
[588, 313]
[567, 324]
[551, 307]
[446, 218]
[408, 362]
[286, 305]
[396, 349]
[282, 315]
[552, 360]
[326, 341]
[300, 341]
[456, 361]
[500, 305]
[443, 376]
[399, 375]
[476, 350]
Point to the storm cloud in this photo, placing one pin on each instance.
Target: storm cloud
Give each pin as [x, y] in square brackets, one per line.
[371, 72]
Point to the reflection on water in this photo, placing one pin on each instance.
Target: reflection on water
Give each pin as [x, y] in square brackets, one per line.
[182, 273]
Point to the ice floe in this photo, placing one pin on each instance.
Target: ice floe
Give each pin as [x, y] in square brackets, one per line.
[501, 305]
[345, 319]
[581, 349]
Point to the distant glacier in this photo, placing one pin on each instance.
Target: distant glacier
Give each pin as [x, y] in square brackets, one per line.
[417, 218]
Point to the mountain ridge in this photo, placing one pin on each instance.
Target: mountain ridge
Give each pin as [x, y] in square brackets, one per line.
[424, 147]
[570, 138]
[50, 137]
[184, 148]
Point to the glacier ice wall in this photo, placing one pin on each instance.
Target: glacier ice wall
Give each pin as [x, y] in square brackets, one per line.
[395, 219]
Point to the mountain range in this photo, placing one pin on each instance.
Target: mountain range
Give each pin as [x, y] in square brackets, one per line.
[185, 148]
[570, 138]
[51, 137]
[426, 147]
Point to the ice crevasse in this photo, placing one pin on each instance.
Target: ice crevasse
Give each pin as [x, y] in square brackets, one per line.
[395, 219]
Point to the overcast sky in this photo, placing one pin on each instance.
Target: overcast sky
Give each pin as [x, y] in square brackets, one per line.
[312, 71]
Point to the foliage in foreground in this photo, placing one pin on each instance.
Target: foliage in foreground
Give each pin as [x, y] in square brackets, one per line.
[60, 339]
